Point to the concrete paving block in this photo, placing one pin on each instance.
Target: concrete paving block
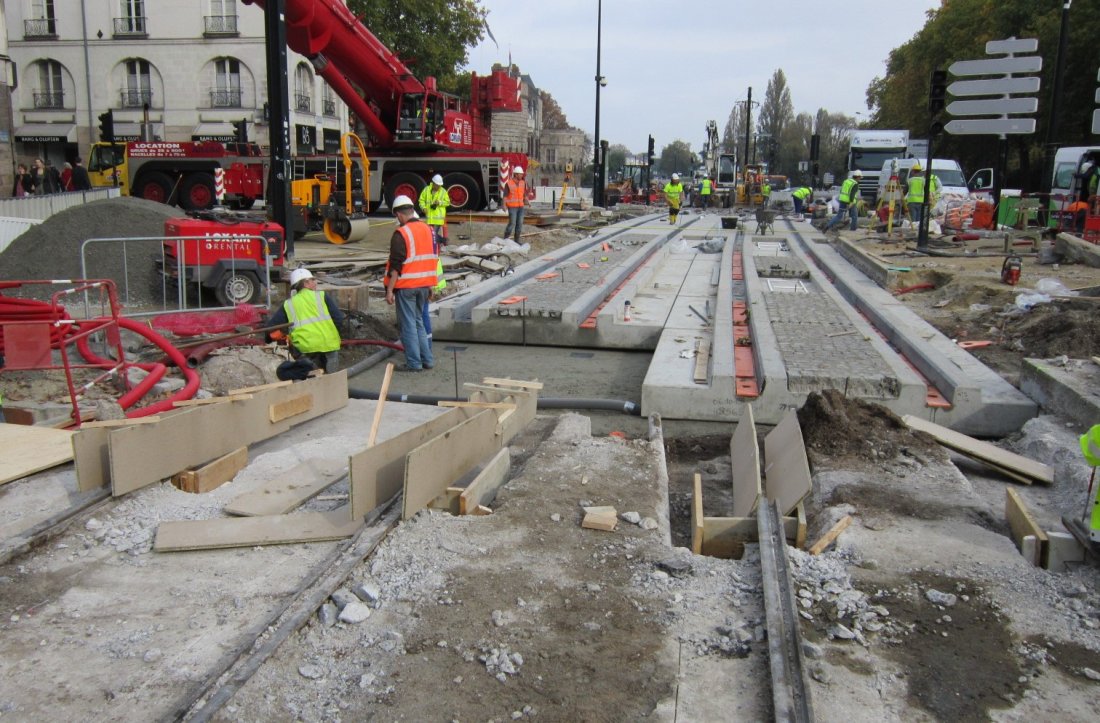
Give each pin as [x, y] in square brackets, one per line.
[1063, 548]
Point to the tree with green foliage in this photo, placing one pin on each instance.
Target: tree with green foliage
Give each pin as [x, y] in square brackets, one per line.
[835, 130]
[776, 112]
[432, 37]
[677, 157]
[617, 154]
[553, 117]
[959, 30]
[733, 135]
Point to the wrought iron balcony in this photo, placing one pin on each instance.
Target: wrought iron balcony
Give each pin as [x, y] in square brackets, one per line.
[52, 100]
[132, 26]
[40, 28]
[302, 102]
[328, 107]
[132, 98]
[220, 25]
[225, 99]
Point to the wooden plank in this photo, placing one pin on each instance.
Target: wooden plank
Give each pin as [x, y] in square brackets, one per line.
[151, 419]
[702, 361]
[215, 474]
[510, 424]
[90, 458]
[225, 532]
[479, 405]
[787, 469]
[514, 383]
[447, 501]
[834, 532]
[800, 534]
[604, 519]
[372, 437]
[283, 493]
[745, 458]
[443, 460]
[377, 473]
[32, 449]
[289, 408]
[211, 400]
[260, 387]
[983, 451]
[483, 489]
[143, 454]
[726, 537]
[1021, 523]
[697, 514]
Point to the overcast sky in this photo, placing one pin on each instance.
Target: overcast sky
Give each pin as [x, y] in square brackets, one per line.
[673, 65]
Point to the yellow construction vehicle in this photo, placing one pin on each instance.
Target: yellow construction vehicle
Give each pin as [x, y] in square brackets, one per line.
[336, 203]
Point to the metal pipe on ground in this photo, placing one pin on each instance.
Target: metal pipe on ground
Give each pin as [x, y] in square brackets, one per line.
[608, 405]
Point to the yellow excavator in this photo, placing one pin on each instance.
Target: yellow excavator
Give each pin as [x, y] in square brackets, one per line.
[336, 202]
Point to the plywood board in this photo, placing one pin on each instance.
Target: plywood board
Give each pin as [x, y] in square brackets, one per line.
[213, 475]
[984, 451]
[283, 493]
[251, 531]
[152, 419]
[745, 459]
[1022, 524]
[443, 460]
[510, 424]
[787, 470]
[697, 528]
[91, 458]
[377, 473]
[144, 454]
[260, 387]
[290, 408]
[483, 489]
[211, 400]
[27, 450]
[725, 537]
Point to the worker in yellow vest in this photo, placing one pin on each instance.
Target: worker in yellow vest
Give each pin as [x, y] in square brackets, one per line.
[313, 318]
[766, 192]
[914, 192]
[799, 196]
[515, 201]
[849, 201]
[434, 201]
[674, 191]
[411, 273]
[706, 188]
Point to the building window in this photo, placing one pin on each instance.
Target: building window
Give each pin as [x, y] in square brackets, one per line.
[303, 85]
[50, 93]
[42, 22]
[227, 86]
[222, 19]
[551, 155]
[132, 21]
[139, 87]
[328, 101]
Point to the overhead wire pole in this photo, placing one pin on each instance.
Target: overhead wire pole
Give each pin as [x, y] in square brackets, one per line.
[597, 155]
[278, 183]
[748, 125]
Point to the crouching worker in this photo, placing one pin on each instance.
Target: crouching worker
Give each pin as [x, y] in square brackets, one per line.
[313, 317]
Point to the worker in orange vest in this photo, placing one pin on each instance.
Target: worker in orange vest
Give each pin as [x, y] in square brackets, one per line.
[515, 200]
[411, 273]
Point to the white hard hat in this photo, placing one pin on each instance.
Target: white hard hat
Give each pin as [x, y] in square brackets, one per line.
[437, 179]
[675, 176]
[1086, 166]
[518, 170]
[858, 174]
[298, 275]
[402, 202]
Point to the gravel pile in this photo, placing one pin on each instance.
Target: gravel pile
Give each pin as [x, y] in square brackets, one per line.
[51, 250]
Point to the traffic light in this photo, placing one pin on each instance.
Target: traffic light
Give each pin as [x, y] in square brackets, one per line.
[650, 155]
[815, 147]
[937, 91]
[107, 126]
[240, 130]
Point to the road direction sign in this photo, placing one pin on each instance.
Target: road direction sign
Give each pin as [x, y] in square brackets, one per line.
[999, 86]
[1098, 96]
[1012, 45]
[993, 106]
[993, 66]
[1096, 121]
[990, 126]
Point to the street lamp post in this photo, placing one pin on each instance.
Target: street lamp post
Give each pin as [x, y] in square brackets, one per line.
[597, 160]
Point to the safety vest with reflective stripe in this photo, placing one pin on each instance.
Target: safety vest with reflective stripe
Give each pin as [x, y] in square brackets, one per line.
[311, 327]
[515, 193]
[916, 190]
[421, 261]
[802, 193]
[848, 190]
[435, 216]
[672, 193]
[765, 190]
[704, 189]
[442, 283]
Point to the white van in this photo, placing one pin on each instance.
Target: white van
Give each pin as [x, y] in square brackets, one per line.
[949, 173]
[1067, 167]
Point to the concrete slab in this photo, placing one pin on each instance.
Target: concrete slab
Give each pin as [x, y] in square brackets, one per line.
[1069, 388]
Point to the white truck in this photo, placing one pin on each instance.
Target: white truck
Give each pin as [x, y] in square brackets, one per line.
[869, 150]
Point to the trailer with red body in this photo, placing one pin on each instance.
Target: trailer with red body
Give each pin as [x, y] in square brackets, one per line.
[231, 254]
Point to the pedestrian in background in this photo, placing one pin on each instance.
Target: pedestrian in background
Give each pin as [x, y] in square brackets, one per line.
[38, 176]
[81, 182]
[674, 191]
[51, 179]
[410, 275]
[24, 184]
[515, 200]
[67, 177]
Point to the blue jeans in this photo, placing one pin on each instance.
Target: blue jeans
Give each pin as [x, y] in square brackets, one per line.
[515, 221]
[845, 210]
[410, 309]
[914, 212]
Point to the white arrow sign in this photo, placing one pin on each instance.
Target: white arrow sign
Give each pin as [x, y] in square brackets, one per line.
[990, 126]
[1000, 86]
[993, 106]
[1027, 64]
[1012, 45]
[1096, 121]
[1098, 96]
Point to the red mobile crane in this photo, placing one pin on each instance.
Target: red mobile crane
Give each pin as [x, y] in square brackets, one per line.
[415, 130]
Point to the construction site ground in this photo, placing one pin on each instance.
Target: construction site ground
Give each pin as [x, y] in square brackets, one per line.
[924, 609]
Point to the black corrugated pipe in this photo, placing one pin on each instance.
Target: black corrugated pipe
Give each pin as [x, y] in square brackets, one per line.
[608, 405]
